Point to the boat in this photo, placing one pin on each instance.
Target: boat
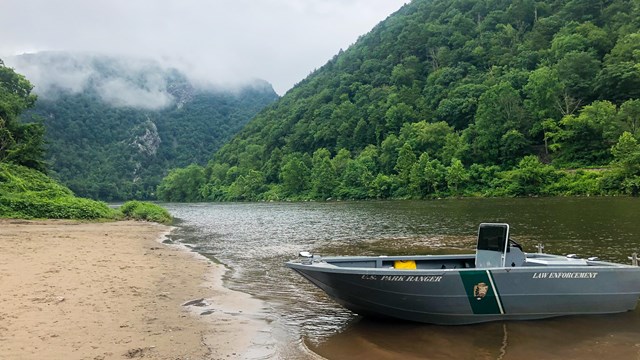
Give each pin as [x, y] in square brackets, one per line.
[499, 282]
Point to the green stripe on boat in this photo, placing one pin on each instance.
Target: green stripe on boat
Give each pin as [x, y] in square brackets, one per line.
[481, 291]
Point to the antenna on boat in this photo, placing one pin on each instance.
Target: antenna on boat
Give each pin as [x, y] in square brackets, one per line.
[540, 248]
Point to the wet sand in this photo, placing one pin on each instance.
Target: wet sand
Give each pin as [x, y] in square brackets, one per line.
[73, 290]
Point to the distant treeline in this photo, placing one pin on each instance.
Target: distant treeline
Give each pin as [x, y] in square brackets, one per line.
[450, 98]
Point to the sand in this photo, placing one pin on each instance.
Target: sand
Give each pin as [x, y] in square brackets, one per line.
[74, 290]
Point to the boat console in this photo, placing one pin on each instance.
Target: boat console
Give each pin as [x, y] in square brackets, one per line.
[494, 248]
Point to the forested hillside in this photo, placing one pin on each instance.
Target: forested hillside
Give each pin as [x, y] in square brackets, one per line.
[114, 127]
[449, 98]
[25, 191]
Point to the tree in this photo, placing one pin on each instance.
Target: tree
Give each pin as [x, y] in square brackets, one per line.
[272, 167]
[513, 145]
[369, 157]
[323, 175]
[294, 175]
[619, 80]
[551, 131]
[435, 176]
[6, 140]
[578, 71]
[456, 176]
[426, 137]
[381, 187]
[406, 159]
[389, 153]
[626, 155]
[247, 187]
[183, 185]
[21, 144]
[626, 164]
[543, 92]
[397, 115]
[630, 116]
[355, 180]
[418, 187]
[587, 138]
[530, 177]
[341, 161]
[499, 110]
[15, 93]
[363, 134]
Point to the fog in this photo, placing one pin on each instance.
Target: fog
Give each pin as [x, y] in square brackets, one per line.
[122, 81]
[217, 41]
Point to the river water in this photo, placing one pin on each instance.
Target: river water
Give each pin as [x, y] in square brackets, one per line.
[254, 240]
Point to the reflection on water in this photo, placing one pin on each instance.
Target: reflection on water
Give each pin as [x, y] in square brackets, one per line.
[593, 337]
[254, 240]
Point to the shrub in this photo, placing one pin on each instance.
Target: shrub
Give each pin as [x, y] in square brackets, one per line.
[32, 206]
[140, 210]
[530, 177]
[27, 193]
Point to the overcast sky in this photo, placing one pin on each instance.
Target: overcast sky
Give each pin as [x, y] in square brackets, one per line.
[224, 41]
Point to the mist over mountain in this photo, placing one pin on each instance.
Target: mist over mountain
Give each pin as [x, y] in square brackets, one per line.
[115, 125]
[118, 81]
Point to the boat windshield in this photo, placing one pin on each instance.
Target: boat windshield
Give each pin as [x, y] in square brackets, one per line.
[492, 245]
[493, 237]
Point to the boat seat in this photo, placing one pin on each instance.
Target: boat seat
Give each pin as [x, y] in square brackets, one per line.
[404, 264]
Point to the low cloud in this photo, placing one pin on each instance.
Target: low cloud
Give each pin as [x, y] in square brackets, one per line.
[52, 73]
[119, 92]
[221, 41]
[121, 82]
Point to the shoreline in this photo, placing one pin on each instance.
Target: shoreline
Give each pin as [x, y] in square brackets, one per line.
[114, 290]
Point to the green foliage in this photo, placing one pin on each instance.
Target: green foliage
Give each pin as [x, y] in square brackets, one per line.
[30, 206]
[457, 176]
[455, 98]
[27, 193]
[247, 187]
[323, 175]
[578, 183]
[629, 115]
[140, 210]
[530, 177]
[295, 175]
[112, 152]
[183, 184]
[625, 174]
[500, 112]
[20, 144]
[587, 138]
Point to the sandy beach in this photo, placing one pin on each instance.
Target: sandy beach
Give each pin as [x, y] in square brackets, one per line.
[74, 290]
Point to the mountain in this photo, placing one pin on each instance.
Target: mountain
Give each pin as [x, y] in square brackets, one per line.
[447, 98]
[25, 191]
[115, 126]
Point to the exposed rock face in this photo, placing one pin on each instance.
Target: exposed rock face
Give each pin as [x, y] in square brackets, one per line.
[182, 94]
[149, 141]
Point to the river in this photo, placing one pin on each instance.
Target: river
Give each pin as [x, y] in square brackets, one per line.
[255, 239]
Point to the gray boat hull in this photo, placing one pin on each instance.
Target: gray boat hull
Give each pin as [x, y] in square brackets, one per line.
[456, 296]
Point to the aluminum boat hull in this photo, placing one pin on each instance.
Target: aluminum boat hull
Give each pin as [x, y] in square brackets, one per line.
[449, 290]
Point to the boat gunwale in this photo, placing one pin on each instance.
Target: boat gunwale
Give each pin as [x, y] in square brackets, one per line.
[324, 264]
